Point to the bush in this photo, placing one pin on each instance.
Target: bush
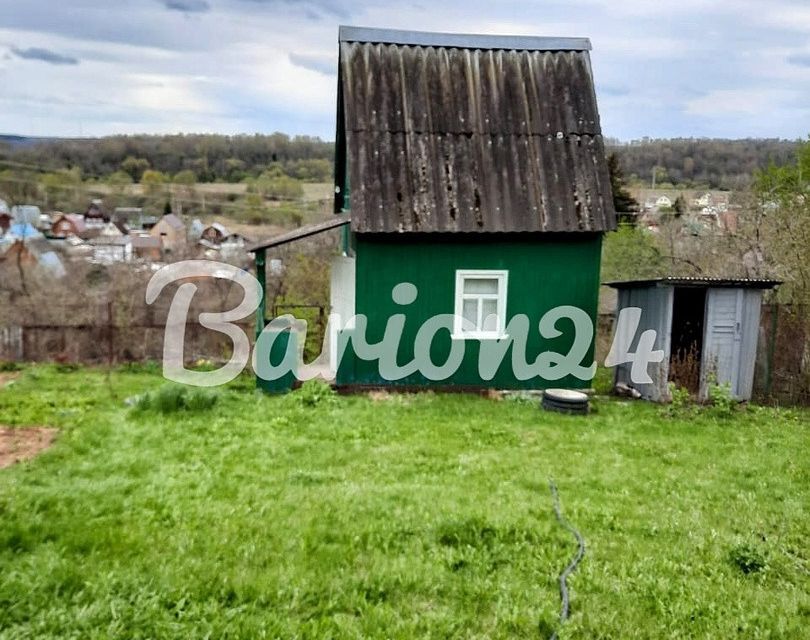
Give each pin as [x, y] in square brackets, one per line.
[315, 392]
[720, 398]
[748, 558]
[680, 401]
[8, 366]
[174, 398]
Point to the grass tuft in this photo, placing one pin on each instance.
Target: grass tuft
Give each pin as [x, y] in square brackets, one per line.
[172, 398]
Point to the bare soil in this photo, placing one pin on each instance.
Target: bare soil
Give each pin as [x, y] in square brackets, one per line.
[6, 377]
[22, 443]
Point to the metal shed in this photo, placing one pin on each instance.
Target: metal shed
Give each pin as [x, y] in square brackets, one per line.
[707, 327]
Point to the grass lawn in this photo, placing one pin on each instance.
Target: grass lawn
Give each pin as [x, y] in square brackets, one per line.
[409, 516]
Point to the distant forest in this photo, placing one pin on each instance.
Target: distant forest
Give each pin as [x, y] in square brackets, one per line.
[212, 158]
[686, 162]
[699, 162]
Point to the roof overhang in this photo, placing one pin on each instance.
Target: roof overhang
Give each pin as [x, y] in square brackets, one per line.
[302, 232]
[461, 40]
[696, 281]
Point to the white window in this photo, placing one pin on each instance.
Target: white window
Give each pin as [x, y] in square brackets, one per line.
[480, 310]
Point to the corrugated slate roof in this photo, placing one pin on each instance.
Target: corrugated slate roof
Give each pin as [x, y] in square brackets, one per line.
[447, 132]
[697, 281]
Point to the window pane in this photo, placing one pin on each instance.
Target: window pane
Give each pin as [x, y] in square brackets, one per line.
[469, 312]
[490, 315]
[480, 285]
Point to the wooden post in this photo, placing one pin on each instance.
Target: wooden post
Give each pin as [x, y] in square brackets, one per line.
[110, 336]
[261, 276]
[771, 349]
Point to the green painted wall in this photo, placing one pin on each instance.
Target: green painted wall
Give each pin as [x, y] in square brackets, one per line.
[545, 271]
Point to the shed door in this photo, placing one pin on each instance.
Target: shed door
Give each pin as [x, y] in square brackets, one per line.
[723, 326]
[656, 314]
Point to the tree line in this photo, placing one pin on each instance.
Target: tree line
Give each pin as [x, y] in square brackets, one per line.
[208, 157]
[694, 163]
[680, 162]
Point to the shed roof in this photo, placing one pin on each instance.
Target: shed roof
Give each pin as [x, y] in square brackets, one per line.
[302, 232]
[454, 132]
[695, 281]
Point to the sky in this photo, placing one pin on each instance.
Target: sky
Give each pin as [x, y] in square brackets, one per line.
[662, 68]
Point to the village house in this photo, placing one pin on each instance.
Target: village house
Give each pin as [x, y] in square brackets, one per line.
[171, 231]
[663, 202]
[133, 218]
[109, 249]
[22, 231]
[95, 216]
[26, 214]
[34, 252]
[463, 173]
[66, 224]
[146, 248]
[216, 232]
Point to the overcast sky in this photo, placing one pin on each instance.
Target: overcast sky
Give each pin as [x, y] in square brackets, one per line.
[663, 68]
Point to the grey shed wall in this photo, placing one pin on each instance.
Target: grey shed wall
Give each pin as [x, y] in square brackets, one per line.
[730, 335]
[656, 314]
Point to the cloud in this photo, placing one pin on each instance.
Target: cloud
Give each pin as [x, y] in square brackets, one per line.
[313, 9]
[327, 65]
[799, 59]
[665, 68]
[188, 6]
[44, 55]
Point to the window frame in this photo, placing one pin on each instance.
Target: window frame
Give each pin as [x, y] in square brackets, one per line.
[462, 275]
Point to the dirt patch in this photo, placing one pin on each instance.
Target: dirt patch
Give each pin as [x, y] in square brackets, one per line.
[379, 396]
[17, 444]
[5, 378]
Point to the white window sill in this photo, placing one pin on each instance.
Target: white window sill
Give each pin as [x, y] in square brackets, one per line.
[479, 336]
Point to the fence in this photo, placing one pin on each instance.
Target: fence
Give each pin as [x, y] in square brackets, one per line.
[782, 372]
[110, 343]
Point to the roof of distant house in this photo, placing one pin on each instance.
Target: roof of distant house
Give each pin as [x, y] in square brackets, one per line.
[77, 220]
[145, 242]
[173, 221]
[110, 240]
[23, 230]
[220, 228]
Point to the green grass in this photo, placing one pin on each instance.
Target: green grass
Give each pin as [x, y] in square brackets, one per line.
[424, 516]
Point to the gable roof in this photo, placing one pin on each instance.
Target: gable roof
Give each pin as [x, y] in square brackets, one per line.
[173, 221]
[453, 132]
[75, 219]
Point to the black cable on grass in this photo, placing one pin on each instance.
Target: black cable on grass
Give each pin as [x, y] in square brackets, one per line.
[574, 562]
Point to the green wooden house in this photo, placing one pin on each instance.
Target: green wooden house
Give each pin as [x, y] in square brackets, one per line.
[471, 168]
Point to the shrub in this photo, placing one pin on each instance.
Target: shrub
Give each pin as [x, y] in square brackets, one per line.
[680, 401]
[315, 392]
[8, 366]
[748, 558]
[721, 398]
